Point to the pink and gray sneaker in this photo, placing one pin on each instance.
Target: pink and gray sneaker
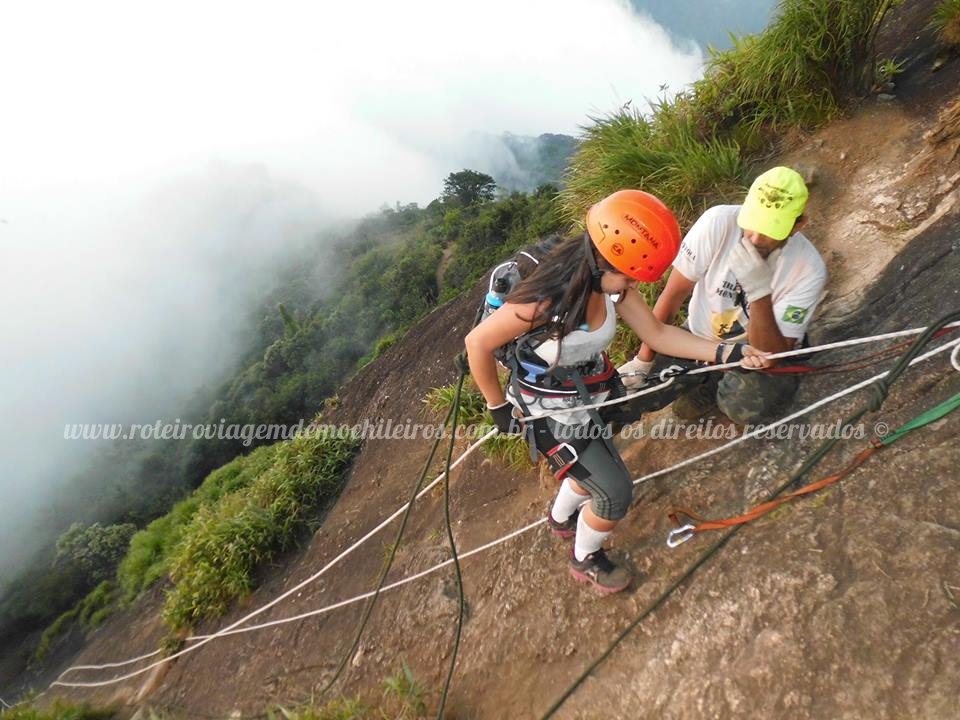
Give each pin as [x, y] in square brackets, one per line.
[598, 570]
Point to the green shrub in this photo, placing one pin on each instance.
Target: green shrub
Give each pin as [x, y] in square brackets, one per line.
[797, 71]
[96, 550]
[53, 631]
[224, 542]
[148, 558]
[493, 232]
[383, 344]
[89, 613]
[693, 150]
[662, 155]
[97, 605]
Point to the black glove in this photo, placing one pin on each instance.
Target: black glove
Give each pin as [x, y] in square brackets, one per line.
[504, 419]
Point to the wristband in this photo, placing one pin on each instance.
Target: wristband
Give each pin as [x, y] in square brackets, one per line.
[736, 353]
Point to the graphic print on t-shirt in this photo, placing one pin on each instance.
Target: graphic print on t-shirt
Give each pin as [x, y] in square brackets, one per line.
[726, 324]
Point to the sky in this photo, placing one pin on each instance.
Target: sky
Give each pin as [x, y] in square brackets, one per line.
[158, 159]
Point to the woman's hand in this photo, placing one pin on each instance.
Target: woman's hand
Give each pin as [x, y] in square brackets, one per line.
[754, 359]
[505, 419]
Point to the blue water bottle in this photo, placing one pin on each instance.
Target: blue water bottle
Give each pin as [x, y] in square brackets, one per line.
[502, 280]
[497, 294]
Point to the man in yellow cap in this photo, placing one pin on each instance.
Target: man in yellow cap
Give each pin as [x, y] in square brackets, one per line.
[751, 276]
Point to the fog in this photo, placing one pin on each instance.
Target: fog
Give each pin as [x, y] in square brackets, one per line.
[157, 161]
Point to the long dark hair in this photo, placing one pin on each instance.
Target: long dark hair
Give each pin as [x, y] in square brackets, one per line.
[561, 284]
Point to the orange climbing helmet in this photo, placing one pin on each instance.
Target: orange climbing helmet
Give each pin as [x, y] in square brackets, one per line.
[634, 232]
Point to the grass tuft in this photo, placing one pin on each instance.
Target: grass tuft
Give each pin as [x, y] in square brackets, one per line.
[697, 148]
[148, 558]
[509, 449]
[58, 711]
[946, 22]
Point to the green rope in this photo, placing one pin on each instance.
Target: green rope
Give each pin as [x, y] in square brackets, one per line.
[931, 415]
[881, 389]
[453, 547]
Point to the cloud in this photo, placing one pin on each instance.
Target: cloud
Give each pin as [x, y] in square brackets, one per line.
[115, 314]
[360, 101]
[526, 68]
[154, 157]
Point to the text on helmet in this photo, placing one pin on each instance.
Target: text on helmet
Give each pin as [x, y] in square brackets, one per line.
[642, 229]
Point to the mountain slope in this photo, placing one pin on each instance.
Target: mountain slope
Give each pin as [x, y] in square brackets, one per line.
[844, 605]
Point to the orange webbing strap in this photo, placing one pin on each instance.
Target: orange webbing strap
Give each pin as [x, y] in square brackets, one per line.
[684, 531]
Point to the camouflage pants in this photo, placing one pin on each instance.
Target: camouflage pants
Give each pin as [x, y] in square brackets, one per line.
[754, 397]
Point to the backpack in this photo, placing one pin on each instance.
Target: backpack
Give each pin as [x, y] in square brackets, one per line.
[529, 372]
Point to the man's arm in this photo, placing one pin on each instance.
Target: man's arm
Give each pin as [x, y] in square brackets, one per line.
[763, 332]
[674, 294]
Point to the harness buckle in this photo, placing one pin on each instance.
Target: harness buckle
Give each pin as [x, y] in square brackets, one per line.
[678, 536]
[533, 370]
[561, 458]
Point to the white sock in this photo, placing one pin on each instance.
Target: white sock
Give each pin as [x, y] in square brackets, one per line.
[567, 502]
[588, 540]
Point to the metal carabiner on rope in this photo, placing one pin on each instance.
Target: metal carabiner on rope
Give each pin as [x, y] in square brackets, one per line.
[672, 371]
[678, 536]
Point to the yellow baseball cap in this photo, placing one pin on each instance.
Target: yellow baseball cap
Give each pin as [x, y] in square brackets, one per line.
[774, 202]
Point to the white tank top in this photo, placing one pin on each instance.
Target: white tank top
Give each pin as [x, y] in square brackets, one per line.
[582, 345]
[579, 347]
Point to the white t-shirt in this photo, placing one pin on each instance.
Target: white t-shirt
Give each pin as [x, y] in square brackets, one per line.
[579, 347]
[718, 309]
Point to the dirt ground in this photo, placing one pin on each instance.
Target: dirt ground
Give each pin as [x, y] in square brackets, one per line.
[845, 605]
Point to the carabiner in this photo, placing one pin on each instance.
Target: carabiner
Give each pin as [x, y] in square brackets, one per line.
[671, 372]
[686, 532]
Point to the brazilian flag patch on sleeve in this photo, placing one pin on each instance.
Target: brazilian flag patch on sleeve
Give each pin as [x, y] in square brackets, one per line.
[795, 315]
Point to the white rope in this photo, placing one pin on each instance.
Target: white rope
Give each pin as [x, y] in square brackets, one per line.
[847, 343]
[955, 358]
[729, 366]
[106, 666]
[203, 641]
[233, 629]
[820, 403]
[650, 476]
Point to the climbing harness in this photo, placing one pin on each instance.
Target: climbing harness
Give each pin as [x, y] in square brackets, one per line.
[533, 381]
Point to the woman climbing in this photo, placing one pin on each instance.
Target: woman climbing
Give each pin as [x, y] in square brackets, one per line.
[558, 322]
